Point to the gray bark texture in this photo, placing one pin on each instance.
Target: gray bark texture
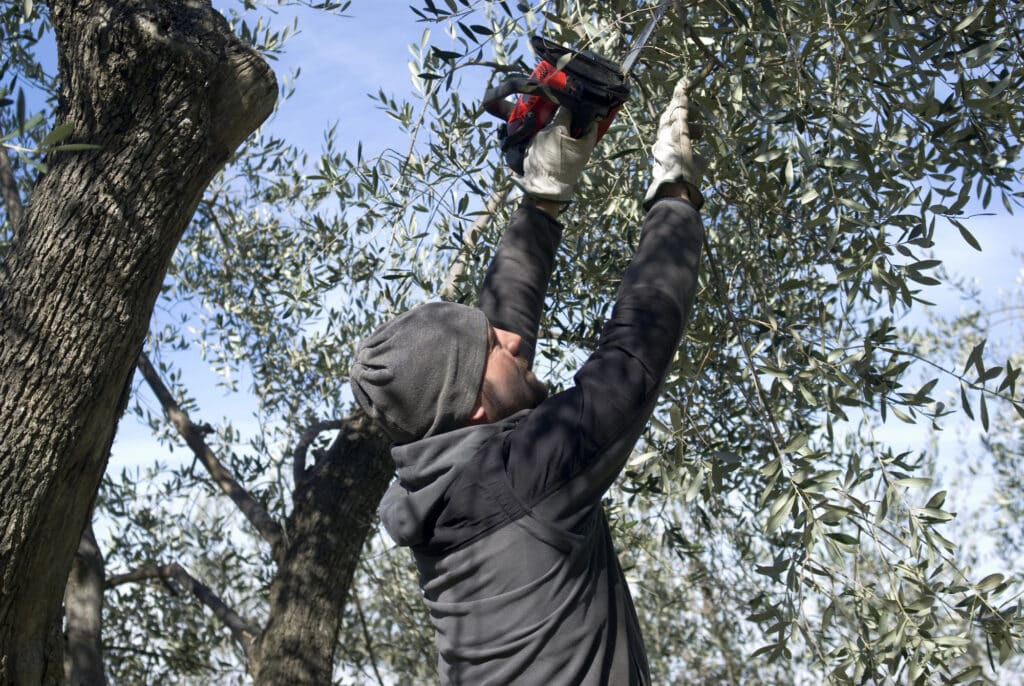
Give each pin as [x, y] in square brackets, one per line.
[83, 615]
[333, 512]
[334, 505]
[167, 92]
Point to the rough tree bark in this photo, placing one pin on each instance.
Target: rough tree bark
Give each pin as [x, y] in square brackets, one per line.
[333, 512]
[168, 93]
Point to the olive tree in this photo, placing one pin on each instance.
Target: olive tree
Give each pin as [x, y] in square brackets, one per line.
[162, 93]
[768, 536]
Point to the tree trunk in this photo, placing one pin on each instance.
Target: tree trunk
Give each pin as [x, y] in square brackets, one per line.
[332, 516]
[167, 93]
[83, 614]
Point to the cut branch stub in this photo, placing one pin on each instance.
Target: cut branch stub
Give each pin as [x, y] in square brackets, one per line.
[305, 440]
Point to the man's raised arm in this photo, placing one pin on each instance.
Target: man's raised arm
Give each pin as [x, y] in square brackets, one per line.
[571, 448]
[513, 293]
[516, 283]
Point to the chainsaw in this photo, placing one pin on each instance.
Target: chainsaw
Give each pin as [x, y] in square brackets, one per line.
[592, 87]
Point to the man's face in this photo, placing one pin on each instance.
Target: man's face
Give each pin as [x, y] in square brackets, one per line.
[509, 385]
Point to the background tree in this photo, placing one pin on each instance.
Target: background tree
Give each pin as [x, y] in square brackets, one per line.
[769, 536]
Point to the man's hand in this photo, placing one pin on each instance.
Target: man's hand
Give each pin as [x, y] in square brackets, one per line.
[554, 162]
[675, 161]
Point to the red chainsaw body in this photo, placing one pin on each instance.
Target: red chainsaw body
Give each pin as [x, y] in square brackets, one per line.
[592, 88]
[534, 111]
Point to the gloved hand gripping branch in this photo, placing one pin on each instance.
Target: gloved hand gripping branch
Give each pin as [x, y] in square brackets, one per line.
[674, 158]
[555, 160]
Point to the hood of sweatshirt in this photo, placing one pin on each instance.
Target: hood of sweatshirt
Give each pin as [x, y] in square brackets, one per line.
[426, 469]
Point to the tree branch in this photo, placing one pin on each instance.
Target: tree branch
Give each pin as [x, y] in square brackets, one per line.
[711, 60]
[305, 440]
[9, 189]
[497, 199]
[242, 630]
[253, 510]
[368, 639]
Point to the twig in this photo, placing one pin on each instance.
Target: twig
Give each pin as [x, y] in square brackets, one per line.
[367, 638]
[242, 630]
[775, 434]
[253, 510]
[711, 60]
[494, 66]
[692, 33]
[458, 268]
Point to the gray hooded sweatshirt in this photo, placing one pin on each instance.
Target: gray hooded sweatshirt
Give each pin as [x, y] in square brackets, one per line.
[504, 520]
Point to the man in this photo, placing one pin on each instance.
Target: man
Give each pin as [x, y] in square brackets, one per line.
[499, 489]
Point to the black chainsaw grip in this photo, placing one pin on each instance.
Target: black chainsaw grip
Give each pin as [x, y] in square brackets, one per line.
[495, 98]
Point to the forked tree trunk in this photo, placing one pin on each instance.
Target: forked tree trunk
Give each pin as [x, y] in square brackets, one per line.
[332, 516]
[168, 93]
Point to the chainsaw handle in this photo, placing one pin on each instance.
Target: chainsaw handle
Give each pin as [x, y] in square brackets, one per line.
[494, 101]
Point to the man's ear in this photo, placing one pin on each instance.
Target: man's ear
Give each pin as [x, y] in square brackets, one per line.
[479, 414]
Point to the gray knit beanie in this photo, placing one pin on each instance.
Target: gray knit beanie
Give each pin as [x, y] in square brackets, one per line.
[419, 374]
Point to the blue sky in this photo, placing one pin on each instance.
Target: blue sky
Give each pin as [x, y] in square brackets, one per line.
[342, 60]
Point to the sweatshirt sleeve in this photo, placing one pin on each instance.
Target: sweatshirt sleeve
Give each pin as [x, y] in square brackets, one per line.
[566, 453]
[512, 296]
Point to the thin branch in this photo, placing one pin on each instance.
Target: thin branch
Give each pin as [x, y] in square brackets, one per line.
[242, 630]
[774, 432]
[711, 60]
[253, 510]
[9, 189]
[367, 638]
[692, 33]
[976, 385]
[498, 67]
[458, 268]
[305, 440]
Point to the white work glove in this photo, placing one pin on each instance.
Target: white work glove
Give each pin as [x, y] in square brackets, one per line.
[674, 158]
[555, 160]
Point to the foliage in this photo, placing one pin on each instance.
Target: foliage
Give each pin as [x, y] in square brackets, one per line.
[769, 538]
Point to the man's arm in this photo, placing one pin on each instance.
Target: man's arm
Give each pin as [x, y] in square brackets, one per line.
[569, 450]
[516, 282]
[563, 457]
